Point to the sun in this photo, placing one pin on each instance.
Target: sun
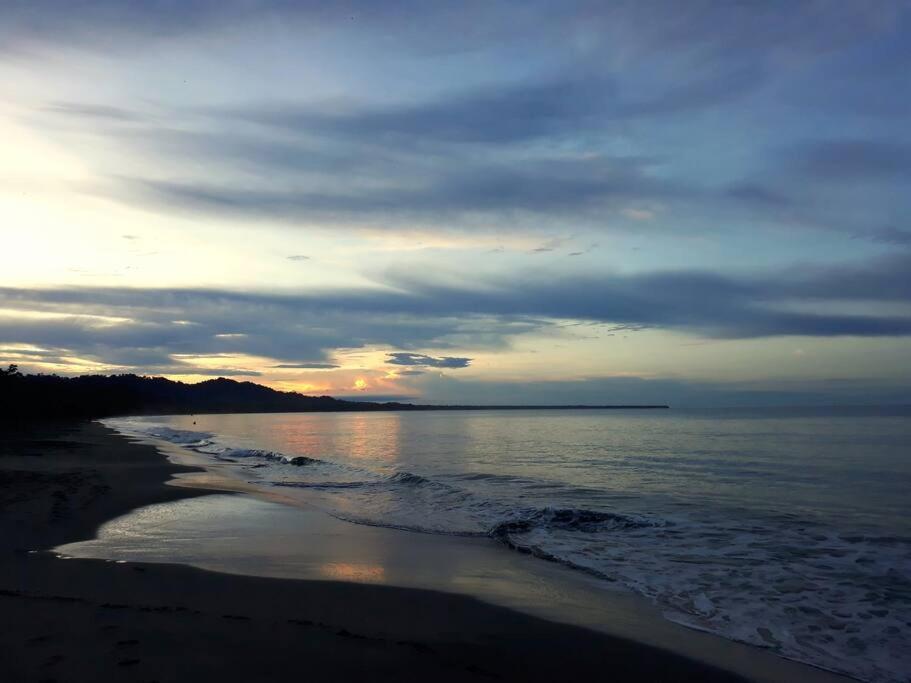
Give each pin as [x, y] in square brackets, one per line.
[360, 384]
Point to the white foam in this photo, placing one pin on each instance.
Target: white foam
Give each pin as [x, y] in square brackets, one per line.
[837, 604]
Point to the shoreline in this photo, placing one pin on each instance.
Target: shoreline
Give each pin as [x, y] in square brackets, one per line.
[290, 538]
[85, 619]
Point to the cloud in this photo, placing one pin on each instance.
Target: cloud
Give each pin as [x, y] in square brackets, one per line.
[560, 106]
[590, 248]
[550, 245]
[99, 112]
[892, 236]
[419, 359]
[298, 257]
[193, 370]
[504, 113]
[639, 214]
[145, 328]
[135, 327]
[335, 170]
[106, 25]
[458, 193]
[855, 187]
[853, 160]
[306, 366]
[704, 32]
[545, 133]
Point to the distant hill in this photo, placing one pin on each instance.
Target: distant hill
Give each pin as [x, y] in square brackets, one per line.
[105, 395]
[108, 395]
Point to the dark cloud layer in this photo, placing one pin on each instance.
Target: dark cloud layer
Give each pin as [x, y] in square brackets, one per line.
[542, 188]
[892, 236]
[296, 329]
[421, 360]
[415, 164]
[853, 160]
[504, 113]
[713, 29]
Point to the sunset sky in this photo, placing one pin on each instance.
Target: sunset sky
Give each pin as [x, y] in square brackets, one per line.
[483, 202]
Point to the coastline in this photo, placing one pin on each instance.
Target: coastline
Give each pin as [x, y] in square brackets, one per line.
[85, 619]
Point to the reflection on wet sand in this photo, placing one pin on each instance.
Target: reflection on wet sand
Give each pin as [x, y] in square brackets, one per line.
[345, 571]
[241, 534]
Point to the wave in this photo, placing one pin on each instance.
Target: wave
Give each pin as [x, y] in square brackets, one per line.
[410, 479]
[588, 521]
[205, 443]
[323, 484]
[182, 437]
[296, 460]
[521, 534]
[405, 479]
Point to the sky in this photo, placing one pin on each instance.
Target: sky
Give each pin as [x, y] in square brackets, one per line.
[471, 202]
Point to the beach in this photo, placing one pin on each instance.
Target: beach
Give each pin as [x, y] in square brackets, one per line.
[739, 538]
[90, 619]
[96, 620]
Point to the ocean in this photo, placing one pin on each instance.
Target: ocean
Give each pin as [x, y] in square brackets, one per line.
[787, 529]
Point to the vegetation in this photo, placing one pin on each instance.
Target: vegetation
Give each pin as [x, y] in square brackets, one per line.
[107, 395]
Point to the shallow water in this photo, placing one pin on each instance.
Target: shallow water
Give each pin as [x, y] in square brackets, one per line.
[787, 530]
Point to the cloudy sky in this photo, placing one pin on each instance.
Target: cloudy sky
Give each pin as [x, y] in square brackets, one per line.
[700, 202]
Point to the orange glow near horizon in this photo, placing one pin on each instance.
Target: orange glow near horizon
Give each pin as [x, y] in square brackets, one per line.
[365, 372]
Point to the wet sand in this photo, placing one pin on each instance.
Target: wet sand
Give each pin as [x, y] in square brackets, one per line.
[89, 620]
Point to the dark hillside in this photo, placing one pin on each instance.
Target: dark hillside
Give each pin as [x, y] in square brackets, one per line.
[103, 395]
[49, 396]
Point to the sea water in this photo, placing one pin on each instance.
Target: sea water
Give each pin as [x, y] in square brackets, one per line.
[786, 529]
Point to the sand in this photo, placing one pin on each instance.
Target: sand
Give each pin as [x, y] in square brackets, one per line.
[94, 620]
